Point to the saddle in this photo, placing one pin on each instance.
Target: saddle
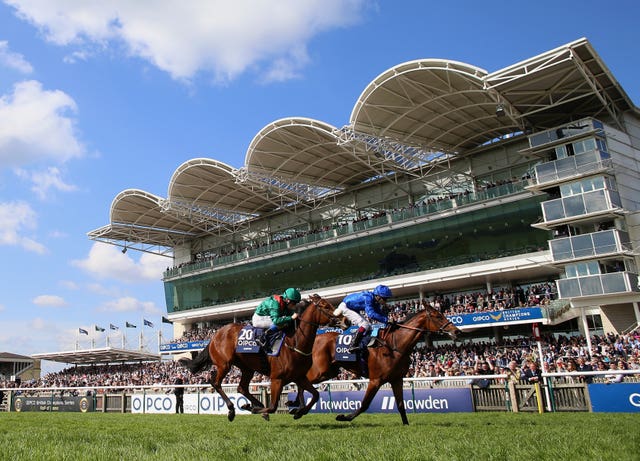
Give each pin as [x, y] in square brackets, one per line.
[346, 337]
[248, 341]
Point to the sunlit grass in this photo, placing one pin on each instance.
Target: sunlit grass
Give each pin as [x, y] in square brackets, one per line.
[460, 436]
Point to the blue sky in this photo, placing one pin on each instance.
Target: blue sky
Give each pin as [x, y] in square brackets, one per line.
[103, 95]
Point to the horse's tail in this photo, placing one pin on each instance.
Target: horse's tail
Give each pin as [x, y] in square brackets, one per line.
[200, 362]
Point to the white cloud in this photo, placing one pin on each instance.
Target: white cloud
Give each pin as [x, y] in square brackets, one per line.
[44, 181]
[49, 301]
[224, 38]
[2, 307]
[13, 60]
[69, 285]
[108, 262]
[35, 127]
[130, 304]
[15, 219]
[39, 323]
[18, 336]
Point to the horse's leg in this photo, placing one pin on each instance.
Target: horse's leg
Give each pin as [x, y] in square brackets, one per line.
[276, 391]
[305, 385]
[243, 388]
[399, 396]
[369, 394]
[321, 370]
[216, 383]
[299, 403]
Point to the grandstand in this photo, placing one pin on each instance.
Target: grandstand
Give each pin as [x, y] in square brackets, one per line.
[15, 367]
[447, 179]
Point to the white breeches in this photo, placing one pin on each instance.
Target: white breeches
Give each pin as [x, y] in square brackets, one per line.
[352, 316]
[261, 321]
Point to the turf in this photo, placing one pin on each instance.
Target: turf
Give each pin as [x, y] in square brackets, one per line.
[378, 437]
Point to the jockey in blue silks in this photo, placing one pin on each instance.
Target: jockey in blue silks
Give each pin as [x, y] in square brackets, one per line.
[371, 302]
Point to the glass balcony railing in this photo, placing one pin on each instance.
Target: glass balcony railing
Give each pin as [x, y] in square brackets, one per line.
[575, 206]
[354, 227]
[571, 167]
[564, 132]
[595, 244]
[601, 284]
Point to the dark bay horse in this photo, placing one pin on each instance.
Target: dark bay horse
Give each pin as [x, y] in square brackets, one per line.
[291, 365]
[388, 360]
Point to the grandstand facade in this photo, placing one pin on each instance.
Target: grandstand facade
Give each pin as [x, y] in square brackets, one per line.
[447, 179]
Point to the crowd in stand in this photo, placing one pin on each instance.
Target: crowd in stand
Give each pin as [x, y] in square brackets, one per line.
[561, 353]
[610, 353]
[468, 303]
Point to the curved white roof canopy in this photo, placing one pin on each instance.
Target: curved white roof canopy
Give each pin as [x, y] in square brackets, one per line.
[411, 115]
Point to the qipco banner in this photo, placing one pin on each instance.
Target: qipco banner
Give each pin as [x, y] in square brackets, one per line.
[417, 401]
[616, 397]
[522, 315]
[193, 403]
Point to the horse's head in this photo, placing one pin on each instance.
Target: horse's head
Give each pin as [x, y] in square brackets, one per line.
[318, 310]
[436, 321]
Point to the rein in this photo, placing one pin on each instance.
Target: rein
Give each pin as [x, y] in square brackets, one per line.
[425, 330]
[295, 348]
[421, 330]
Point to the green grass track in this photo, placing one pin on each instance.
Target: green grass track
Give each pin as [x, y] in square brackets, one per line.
[376, 437]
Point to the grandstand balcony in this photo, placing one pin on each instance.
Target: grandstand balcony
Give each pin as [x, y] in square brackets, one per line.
[601, 244]
[591, 206]
[565, 134]
[598, 285]
[396, 218]
[570, 168]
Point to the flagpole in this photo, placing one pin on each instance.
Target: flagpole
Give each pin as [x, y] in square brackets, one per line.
[140, 337]
[123, 333]
[77, 338]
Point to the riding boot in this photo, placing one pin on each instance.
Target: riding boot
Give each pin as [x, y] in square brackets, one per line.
[355, 344]
[266, 339]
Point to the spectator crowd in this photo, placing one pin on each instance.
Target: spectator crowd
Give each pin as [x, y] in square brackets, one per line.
[516, 356]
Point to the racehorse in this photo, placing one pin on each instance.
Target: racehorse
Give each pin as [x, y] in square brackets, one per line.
[291, 365]
[388, 359]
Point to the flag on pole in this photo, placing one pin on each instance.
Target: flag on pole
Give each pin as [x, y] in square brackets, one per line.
[147, 323]
[113, 327]
[83, 331]
[99, 328]
[166, 320]
[131, 325]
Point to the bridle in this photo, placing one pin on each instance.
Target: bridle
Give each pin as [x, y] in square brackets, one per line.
[316, 305]
[441, 330]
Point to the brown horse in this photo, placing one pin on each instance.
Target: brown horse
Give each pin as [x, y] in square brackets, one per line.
[388, 359]
[291, 365]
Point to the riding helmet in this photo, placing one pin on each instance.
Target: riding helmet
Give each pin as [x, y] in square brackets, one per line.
[292, 294]
[383, 291]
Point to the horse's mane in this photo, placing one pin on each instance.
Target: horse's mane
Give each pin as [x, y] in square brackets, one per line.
[414, 315]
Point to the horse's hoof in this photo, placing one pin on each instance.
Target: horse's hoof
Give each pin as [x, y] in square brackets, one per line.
[231, 415]
[265, 416]
[246, 407]
[342, 418]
